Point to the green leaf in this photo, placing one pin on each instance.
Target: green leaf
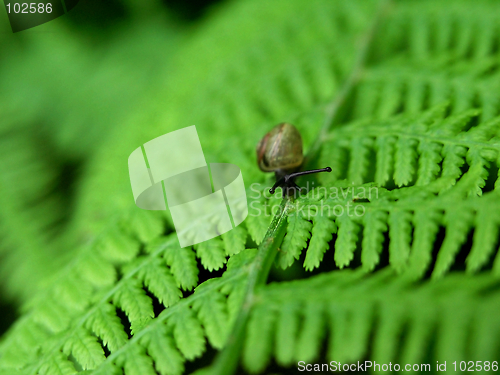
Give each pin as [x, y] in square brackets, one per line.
[85, 349]
[58, 365]
[132, 299]
[106, 325]
[182, 263]
[157, 278]
[286, 333]
[188, 333]
[161, 347]
[136, 362]
[213, 315]
[259, 340]
[346, 241]
[322, 234]
[375, 225]
[298, 232]
[211, 253]
[234, 240]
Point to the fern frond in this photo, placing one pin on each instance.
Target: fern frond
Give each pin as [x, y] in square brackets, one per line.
[345, 303]
[161, 346]
[347, 239]
[428, 174]
[426, 225]
[182, 264]
[259, 339]
[322, 232]
[85, 349]
[212, 312]
[234, 240]
[184, 325]
[458, 223]
[211, 253]
[188, 333]
[258, 218]
[299, 231]
[158, 279]
[485, 240]
[400, 229]
[407, 218]
[413, 217]
[375, 224]
[409, 132]
[106, 325]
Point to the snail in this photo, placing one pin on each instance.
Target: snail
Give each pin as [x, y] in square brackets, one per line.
[280, 151]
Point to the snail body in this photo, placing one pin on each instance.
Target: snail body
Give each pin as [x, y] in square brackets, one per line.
[280, 151]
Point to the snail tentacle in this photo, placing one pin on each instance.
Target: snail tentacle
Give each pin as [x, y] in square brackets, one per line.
[287, 180]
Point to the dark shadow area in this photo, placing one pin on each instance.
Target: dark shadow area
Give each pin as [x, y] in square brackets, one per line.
[104, 16]
[9, 315]
[189, 10]
[94, 14]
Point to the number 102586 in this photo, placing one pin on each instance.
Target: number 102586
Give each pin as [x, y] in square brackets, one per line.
[29, 8]
[476, 366]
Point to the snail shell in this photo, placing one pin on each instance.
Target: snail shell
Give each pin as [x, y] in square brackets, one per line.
[280, 149]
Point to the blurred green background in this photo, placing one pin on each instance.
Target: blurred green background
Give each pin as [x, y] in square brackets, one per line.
[64, 86]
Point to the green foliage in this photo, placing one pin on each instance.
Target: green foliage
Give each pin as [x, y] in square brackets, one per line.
[403, 231]
[62, 92]
[359, 316]
[441, 195]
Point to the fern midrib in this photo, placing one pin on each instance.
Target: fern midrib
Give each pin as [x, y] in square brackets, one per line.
[80, 323]
[71, 268]
[349, 283]
[227, 360]
[354, 77]
[58, 340]
[254, 272]
[185, 302]
[380, 132]
[439, 202]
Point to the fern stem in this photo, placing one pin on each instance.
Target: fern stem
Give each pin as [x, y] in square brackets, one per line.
[227, 361]
[354, 77]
